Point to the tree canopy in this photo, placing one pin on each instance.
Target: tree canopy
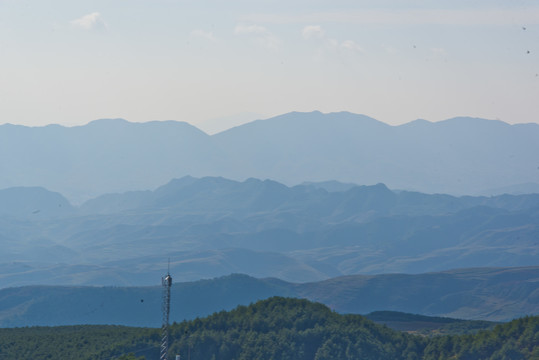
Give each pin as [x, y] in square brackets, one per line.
[274, 329]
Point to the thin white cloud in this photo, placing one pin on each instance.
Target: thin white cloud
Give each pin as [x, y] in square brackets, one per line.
[312, 31]
[316, 32]
[262, 35]
[88, 22]
[438, 51]
[351, 45]
[250, 29]
[332, 43]
[389, 49]
[208, 35]
[478, 16]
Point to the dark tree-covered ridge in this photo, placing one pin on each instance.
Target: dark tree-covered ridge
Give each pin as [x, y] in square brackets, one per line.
[284, 328]
[274, 329]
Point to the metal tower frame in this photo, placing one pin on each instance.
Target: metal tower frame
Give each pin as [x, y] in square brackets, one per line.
[166, 283]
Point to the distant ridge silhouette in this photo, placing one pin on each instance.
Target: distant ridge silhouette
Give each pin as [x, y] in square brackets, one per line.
[457, 156]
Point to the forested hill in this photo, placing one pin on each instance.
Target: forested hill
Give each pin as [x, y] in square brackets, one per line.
[273, 329]
[280, 328]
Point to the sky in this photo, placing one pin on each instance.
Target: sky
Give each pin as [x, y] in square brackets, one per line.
[70, 62]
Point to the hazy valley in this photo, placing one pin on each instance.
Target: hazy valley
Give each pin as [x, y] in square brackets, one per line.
[87, 231]
[269, 180]
[212, 227]
[494, 294]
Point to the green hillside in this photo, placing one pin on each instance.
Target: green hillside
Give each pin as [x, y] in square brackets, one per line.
[277, 329]
[428, 325]
[97, 342]
[292, 329]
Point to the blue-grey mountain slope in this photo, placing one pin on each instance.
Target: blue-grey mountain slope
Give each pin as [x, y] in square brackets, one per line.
[497, 294]
[34, 202]
[213, 226]
[460, 155]
[456, 156]
[104, 156]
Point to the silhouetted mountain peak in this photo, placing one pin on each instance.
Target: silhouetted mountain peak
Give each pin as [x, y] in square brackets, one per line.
[416, 123]
[108, 122]
[464, 123]
[456, 156]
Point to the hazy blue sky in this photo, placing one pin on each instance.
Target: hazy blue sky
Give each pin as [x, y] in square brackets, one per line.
[70, 62]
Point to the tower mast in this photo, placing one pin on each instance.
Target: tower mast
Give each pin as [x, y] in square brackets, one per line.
[166, 283]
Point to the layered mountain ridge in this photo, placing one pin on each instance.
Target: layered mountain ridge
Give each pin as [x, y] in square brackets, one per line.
[215, 226]
[496, 294]
[456, 156]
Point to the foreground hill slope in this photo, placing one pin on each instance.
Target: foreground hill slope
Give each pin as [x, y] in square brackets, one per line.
[458, 156]
[280, 328]
[274, 329]
[495, 294]
[429, 325]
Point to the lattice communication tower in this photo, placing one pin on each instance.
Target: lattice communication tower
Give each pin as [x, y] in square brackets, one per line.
[166, 284]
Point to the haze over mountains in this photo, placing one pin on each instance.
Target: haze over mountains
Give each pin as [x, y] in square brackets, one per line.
[214, 226]
[495, 294]
[456, 156]
[107, 203]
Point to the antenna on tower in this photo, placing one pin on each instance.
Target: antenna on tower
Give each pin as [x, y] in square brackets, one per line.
[166, 283]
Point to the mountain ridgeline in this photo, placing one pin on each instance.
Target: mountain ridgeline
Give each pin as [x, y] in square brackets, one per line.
[494, 294]
[457, 156]
[86, 225]
[212, 227]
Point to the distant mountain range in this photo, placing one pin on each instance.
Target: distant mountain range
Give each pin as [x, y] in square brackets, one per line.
[456, 156]
[211, 227]
[86, 206]
[498, 294]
